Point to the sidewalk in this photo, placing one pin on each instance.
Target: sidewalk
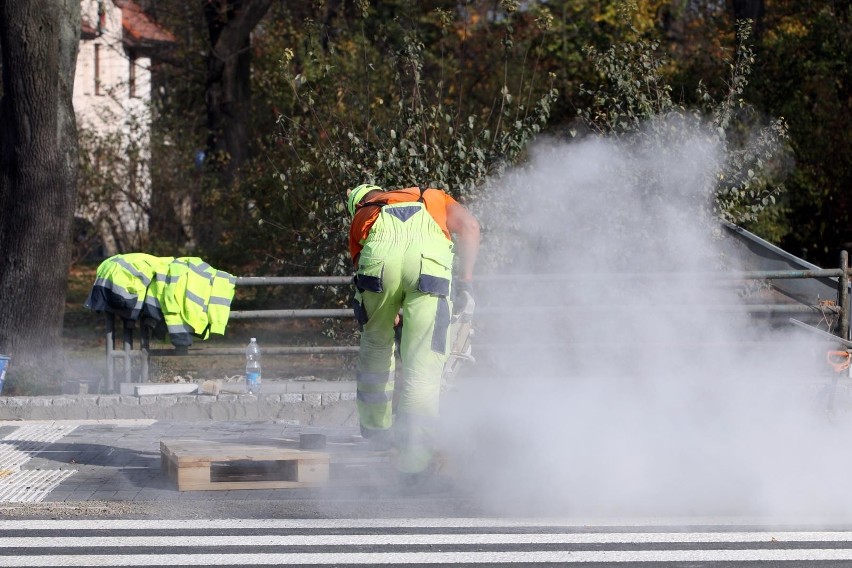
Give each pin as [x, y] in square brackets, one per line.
[93, 448]
[119, 460]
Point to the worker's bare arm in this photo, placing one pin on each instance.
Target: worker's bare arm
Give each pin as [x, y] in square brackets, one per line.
[465, 227]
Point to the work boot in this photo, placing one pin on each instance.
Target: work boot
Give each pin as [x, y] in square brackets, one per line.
[378, 440]
[427, 482]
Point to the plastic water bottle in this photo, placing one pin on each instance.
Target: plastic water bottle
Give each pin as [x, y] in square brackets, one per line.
[253, 367]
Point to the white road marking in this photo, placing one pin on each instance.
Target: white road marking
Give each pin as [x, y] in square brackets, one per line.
[390, 544]
[460, 522]
[43, 433]
[119, 422]
[379, 558]
[31, 486]
[16, 449]
[423, 539]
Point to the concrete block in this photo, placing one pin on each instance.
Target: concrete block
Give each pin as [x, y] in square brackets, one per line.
[88, 400]
[291, 398]
[186, 398]
[319, 386]
[148, 400]
[348, 396]
[63, 401]
[330, 397]
[167, 388]
[40, 401]
[128, 400]
[108, 400]
[230, 398]
[312, 399]
[205, 399]
[271, 398]
[166, 400]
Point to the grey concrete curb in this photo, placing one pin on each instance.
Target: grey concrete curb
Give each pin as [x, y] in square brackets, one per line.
[313, 403]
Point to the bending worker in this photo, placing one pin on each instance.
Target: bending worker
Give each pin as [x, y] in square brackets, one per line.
[402, 247]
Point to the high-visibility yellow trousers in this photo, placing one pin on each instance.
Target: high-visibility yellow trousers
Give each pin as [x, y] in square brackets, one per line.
[406, 264]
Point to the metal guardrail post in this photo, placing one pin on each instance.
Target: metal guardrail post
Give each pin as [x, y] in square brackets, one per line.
[128, 347]
[144, 348]
[843, 295]
[109, 320]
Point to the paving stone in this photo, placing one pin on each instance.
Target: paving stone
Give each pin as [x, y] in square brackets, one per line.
[330, 397]
[80, 495]
[312, 399]
[127, 495]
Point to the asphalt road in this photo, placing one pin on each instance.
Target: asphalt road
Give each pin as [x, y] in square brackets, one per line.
[94, 494]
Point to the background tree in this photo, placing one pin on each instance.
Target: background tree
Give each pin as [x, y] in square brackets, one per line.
[804, 74]
[800, 73]
[228, 93]
[407, 116]
[38, 164]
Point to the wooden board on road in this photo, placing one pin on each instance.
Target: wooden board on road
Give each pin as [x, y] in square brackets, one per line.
[203, 465]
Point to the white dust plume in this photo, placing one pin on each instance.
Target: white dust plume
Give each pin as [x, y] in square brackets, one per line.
[617, 374]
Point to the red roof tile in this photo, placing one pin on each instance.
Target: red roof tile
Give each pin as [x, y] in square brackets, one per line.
[138, 27]
[87, 30]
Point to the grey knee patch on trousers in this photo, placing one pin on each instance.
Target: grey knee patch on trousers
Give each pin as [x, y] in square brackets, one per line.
[442, 324]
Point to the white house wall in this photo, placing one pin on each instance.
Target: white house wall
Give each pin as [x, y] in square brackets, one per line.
[103, 104]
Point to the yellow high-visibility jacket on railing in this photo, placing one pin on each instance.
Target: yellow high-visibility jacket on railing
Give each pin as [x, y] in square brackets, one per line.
[184, 297]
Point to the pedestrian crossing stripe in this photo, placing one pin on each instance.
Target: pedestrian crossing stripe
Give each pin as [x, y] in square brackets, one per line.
[487, 541]
[454, 538]
[587, 525]
[449, 558]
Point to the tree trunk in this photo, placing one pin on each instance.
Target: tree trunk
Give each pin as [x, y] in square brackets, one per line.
[228, 100]
[228, 95]
[38, 177]
[749, 10]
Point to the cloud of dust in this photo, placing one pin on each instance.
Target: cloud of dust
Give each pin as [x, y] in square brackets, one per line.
[606, 387]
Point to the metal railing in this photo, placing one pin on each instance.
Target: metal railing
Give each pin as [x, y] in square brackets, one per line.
[127, 353]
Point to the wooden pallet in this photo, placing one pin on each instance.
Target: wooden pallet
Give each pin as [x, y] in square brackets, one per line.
[201, 465]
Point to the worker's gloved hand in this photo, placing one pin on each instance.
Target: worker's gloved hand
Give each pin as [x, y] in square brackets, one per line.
[463, 297]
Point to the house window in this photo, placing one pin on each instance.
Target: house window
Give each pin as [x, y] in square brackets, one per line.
[101, 17]
[98, 90]
[131, 82]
